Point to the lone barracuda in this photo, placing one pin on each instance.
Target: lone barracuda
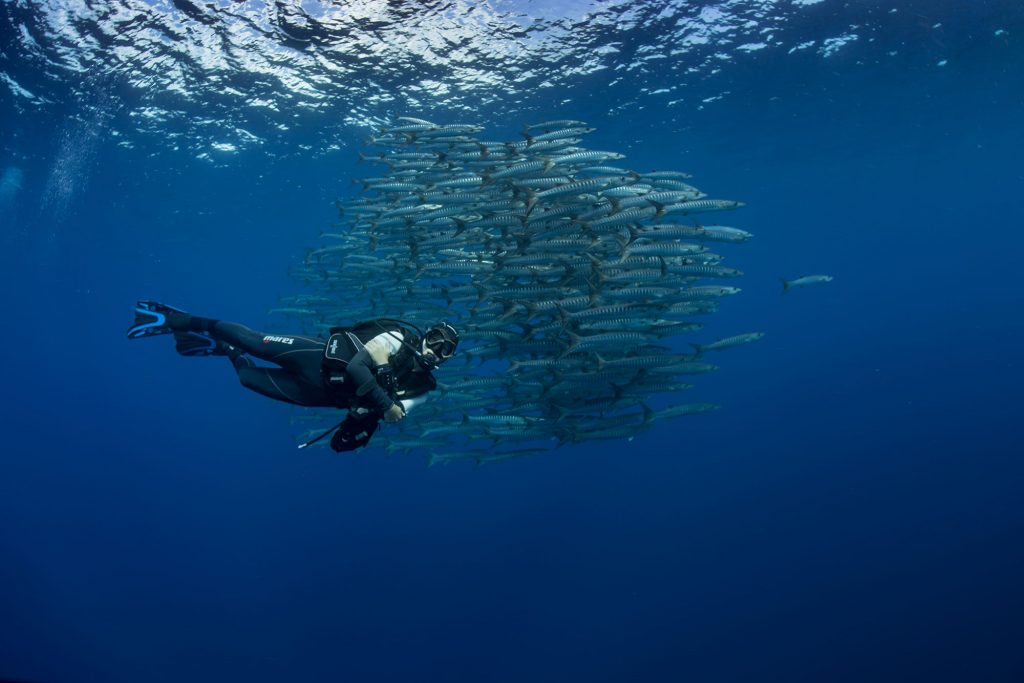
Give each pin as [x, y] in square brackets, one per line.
[804, 281]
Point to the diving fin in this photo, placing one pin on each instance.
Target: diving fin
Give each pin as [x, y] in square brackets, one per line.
[151, 318]
[197, 344]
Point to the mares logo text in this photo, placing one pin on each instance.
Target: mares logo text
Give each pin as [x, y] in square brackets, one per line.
[283, 340]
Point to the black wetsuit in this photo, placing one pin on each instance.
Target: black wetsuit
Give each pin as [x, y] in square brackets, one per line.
[301, 377]
[298, 380]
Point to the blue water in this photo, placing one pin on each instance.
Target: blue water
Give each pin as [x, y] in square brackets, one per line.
[852, 513]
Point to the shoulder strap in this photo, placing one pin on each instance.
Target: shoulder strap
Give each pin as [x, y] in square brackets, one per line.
[377, 326]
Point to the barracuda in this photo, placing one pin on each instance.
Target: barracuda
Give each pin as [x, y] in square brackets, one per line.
[560, 245]
[656, 175]
[556, 134]
[701, 205]
[622, 218]
[726, 343]
[598, 341]
[804, 281]
[581, 186]
[522, 168]
[586, 157]
[642, 362]
[461, 182]
[607, 311]
[659, 200]
[503, 420]
[639, 293]
[664, 249]
[447, 198]
[656, 326]
[676, 411]
[409, 210]
[545, 182]
[704, 271]
[720, 233]
[561, 123]
[636, 275]
[678, 186]
[708, 291]
[397, 187]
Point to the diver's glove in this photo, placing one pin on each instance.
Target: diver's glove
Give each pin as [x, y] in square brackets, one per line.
[394, 413]
[356, 431]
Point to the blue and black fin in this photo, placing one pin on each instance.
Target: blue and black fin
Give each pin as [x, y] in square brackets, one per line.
[198, 344]
[151, 318]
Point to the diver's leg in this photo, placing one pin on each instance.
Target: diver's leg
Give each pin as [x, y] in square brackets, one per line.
[294, 352]
[302, 389]
[280, 385]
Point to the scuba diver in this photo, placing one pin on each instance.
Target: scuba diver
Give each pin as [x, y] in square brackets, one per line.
[377, 369]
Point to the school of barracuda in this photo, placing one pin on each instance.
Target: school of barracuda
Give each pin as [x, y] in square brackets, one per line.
[569, 278]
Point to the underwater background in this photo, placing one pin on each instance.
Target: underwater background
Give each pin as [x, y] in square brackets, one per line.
[853, 511]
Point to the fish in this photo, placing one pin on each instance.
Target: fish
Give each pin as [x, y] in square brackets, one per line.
[804, 281]
[726, 343]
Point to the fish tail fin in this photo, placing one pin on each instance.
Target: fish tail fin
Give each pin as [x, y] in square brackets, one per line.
[511, 309]
[785, 284]
[460, 225]
[574, 340]
[531, 201]
[649, 414]
[633, 231]
[563, 316]
[698, 350]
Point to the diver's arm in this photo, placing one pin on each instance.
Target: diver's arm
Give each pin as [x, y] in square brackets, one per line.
[361, 371]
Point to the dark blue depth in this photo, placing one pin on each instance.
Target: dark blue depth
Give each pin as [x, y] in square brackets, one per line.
[852, 513]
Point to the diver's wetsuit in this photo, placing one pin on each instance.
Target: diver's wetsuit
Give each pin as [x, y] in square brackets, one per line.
[298, 380]
[375, 368]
